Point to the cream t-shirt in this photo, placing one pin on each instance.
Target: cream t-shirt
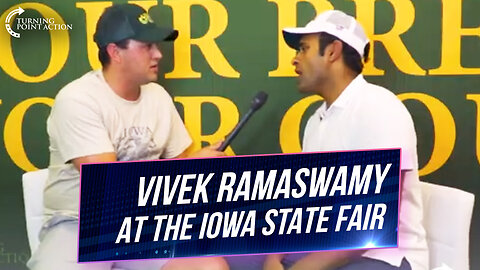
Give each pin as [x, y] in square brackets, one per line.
[88, 118]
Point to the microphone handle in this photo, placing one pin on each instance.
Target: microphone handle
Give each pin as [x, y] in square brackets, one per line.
[235, 131]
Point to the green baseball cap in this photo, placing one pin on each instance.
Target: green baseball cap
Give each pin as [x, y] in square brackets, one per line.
[129, 21]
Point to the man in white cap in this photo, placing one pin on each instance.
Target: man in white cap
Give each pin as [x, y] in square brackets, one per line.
[116, 113]
[355, 114]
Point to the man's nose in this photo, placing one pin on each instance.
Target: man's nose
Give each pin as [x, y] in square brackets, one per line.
[294, 60]
[157, 54]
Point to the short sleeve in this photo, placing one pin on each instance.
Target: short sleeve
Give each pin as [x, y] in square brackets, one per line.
[76, 128]
[178, 139]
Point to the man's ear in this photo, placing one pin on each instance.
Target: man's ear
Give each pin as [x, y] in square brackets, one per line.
[334, 50]
[114, 53]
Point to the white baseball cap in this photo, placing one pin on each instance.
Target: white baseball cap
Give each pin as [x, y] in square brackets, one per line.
[333, 22]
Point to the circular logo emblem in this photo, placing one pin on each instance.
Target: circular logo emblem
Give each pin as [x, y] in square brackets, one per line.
[18, 11]
[145, 18]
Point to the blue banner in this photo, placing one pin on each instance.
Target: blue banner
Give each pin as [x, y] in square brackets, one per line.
[239, 205]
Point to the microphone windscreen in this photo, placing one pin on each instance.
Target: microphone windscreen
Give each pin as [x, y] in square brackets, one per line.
[259, 99]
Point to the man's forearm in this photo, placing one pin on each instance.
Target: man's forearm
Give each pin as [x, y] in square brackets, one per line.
[326, 260]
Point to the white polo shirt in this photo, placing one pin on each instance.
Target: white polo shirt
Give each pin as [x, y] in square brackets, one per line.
[367, 116]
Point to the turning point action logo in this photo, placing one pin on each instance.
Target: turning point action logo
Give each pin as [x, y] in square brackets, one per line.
[18, 11]
[31, 23]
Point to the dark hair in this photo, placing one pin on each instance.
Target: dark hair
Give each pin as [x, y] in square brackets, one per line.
[103, 54]
[351, 58]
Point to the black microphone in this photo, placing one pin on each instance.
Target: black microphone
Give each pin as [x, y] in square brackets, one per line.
[257, 103]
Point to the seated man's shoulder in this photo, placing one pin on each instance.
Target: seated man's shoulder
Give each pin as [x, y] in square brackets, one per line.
[381, 93]
[83, 87]
[154, 89]
[381, 108]
[382, 99]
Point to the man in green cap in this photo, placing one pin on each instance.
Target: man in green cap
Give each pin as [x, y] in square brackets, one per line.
[117, 113]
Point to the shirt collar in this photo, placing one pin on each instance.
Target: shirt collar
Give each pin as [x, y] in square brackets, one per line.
[349, 92]
[343, 100]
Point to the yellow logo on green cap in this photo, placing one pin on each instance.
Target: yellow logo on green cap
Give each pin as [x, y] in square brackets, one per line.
[145, 18]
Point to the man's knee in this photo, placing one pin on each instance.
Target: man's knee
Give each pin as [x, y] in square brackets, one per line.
[211, 263]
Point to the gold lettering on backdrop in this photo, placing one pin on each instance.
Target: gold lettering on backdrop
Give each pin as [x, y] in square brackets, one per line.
[93, 10]
[404, 14]
[452, 34]
[289, 136]
[12, 133]
[60, 45]
[476, 98]
[289, 133]
[287, 17]
[192, 107]
[144, 3]
[443, 129]
[183, 44]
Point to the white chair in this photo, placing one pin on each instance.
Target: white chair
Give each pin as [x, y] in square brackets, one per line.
[447, 217]
[33, 185]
